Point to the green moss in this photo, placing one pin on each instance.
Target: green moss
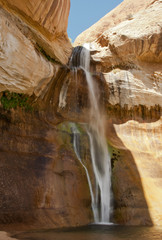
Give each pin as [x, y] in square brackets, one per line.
[11, 100]
[115, 156]
[81, 128]
[65, 127]
[66, 134]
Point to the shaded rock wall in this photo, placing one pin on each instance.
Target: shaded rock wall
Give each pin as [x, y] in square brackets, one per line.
[42, 183]
[137, 172]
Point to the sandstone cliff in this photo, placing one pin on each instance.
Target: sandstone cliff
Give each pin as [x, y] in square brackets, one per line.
[32, 33]
[122, 12]
[42, 183]
[130, 57]
[47, 22]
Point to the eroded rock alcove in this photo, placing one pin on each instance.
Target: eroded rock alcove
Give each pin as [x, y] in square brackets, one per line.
[42, 184]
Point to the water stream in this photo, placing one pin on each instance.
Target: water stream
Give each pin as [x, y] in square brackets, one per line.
[76, 145]
[100, 156]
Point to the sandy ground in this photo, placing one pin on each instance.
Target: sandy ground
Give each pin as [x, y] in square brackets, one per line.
[4, 236]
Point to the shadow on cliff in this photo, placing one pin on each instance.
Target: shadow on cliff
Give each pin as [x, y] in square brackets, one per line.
[130, 206]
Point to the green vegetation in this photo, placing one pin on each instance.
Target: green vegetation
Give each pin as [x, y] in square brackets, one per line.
[11, 100]
[67, 127]
[115, 156]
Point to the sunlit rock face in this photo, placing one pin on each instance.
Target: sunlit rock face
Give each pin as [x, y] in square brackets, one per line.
[129, 56]
[124, 11]
[137, 172]
[47, 21]
[34, 44]
[23, 68]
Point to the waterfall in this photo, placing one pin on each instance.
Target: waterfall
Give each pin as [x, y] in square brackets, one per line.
[76, 144]
[100, 156]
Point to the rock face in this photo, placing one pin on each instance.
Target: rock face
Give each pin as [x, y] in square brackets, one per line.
[130, 57]
[124, 11]
[23, 69]
[137, 172]
[32, 33]
[42, 183]
[47, 21]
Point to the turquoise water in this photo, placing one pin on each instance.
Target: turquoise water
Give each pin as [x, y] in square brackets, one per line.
[96, 232]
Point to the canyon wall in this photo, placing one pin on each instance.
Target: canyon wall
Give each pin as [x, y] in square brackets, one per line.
[34, 43]
[129, 56]
[38, 176]
[43, 185]
[122, 12]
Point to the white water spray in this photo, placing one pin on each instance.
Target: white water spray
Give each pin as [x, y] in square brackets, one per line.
[98, 147]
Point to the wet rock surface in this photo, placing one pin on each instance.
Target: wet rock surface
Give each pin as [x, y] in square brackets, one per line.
[42, 184]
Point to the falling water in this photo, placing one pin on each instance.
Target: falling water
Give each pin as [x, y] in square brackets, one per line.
[100, 156]
[76, 144]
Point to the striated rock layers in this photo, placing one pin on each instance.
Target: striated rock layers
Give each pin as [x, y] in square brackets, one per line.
[42, 183]
[129, 55]
[47, 20]
[32, 33]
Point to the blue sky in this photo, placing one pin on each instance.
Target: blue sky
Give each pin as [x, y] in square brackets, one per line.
[84, 13]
